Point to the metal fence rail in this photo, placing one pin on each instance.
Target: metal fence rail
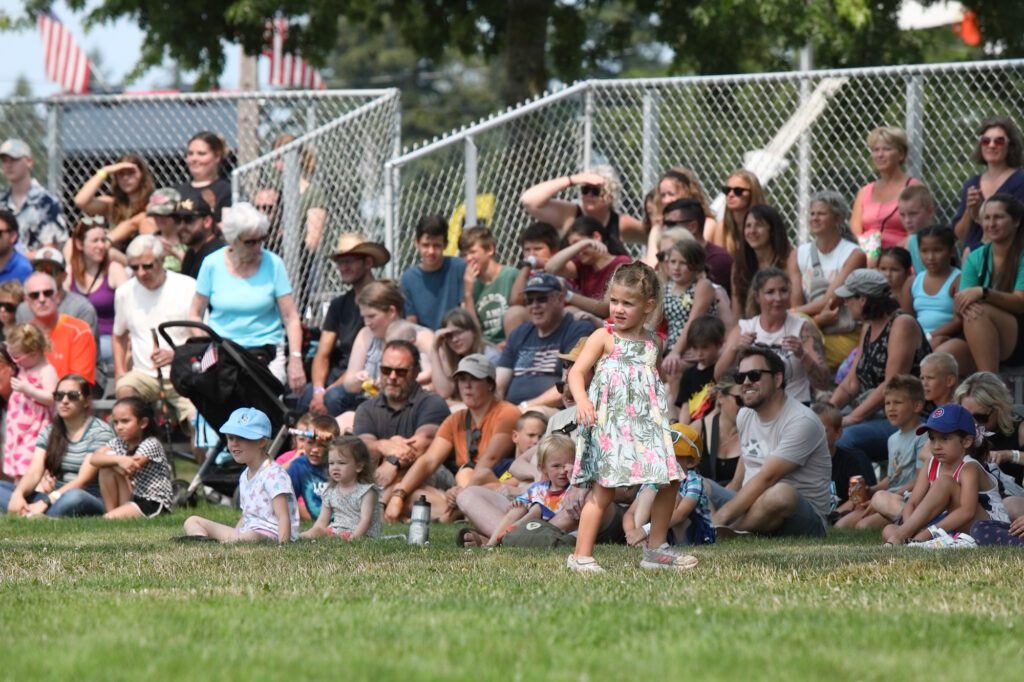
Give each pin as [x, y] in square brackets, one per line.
[328, 181]
[800, 132]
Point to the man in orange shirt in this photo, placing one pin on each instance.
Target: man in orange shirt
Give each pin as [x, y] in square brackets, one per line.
[72, 345]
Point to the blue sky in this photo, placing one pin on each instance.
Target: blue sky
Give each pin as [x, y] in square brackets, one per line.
[21, 53]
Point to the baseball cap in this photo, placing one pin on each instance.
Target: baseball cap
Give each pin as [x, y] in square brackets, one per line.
[688, 443]
[163, 202]
[476, 365]
[542, 282]
[248, 423]
[49, 254]
[15, 148]
[193, 204]
[864, 282]
[949, 419]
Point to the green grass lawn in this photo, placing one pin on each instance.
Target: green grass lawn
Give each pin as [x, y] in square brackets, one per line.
[91, 600]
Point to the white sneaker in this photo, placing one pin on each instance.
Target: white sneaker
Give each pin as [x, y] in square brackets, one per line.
[943, 540]
[667, 557]
[583, 564]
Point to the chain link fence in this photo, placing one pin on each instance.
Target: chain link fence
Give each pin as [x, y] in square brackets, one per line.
[799, 132]
[327, 181]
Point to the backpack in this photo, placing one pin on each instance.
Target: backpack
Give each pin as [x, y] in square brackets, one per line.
[537, 534]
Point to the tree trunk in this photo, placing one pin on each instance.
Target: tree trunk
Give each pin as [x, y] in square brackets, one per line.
[525, 49]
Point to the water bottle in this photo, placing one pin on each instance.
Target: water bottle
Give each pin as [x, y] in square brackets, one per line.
[419, 526]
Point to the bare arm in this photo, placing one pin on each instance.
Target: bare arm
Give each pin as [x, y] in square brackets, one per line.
[198, 307]
[904, 339]
[813, 358]
[561, 263]
[498, 446]
[856, 213]
[284, 520]
[293, 330]
[540, 203]
[703, 297]
[316, 220]
[366, 508]
[773, 471]
[355, 373]
[796, 293]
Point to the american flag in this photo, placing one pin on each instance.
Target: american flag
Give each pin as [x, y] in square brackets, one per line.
[288, 70]
[209, 358]
[65, 62]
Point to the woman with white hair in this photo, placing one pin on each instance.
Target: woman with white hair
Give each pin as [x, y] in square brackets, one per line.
[249, 296]
[599, 190]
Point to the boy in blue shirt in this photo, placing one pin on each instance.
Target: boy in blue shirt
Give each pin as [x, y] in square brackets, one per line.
[309, 471]
[435, 285]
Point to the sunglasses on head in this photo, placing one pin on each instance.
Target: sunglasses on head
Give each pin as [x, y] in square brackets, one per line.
[679, 436]
[997, 141]
[753, 374]
[737, 191]
[73, 396]
[400, 372]
[45, 293]
[590, 190]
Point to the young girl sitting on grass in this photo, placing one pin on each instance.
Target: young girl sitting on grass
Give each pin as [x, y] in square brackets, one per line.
[135, 476]
[269, 509]
[492, 515]
[952, 492]
[350, 505]
[31, 404]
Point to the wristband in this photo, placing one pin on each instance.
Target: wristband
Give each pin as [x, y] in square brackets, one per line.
[101, 174]
[295, 354]
[569, 178]
[1016, 456]
[399, 493]
[319, 390]
[391, 459]
[568, 295]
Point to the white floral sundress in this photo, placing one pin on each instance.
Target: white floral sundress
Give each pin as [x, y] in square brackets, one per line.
[630, 443]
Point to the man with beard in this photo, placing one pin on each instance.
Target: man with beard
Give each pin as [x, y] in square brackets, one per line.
[198, 232]
[399, 424]
[786, 465]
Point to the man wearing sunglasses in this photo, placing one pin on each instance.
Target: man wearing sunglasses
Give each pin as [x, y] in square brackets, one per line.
[13, 264]
[72, 343]
[400, 422]
[198, 232]
[786, 465]
[50, 261]
[689, 214]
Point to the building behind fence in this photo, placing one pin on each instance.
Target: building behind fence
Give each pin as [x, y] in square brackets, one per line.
[799, 132]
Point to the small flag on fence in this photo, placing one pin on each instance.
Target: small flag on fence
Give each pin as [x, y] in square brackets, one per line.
[289, 70]
[65, 62]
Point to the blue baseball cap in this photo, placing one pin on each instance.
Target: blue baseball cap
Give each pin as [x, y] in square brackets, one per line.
[949, 419]
[248, 423]
[543, 282]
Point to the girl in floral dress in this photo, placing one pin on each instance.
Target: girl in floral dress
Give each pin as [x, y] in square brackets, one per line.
[625, 440]
[31, 405]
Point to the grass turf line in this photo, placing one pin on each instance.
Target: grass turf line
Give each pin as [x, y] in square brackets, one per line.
[88, 599]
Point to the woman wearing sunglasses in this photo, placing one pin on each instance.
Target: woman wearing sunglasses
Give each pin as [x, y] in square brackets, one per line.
[721, 437]
[96, 276]
[247, 289]
[599, 190]
[987, 398]
[1000, 148]
[124, 208]
[742, 190]
[875, 219]
[682, 183]
[60, 480]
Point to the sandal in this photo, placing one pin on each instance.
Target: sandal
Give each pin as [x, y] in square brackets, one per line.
[468, 537]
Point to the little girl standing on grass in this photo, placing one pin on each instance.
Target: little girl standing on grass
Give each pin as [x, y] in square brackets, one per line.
[624, 440]
[269, 509]
[350, 506]
[31, 405]
[135, 476]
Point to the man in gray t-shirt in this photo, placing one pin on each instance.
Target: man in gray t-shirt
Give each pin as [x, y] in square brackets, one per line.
[787, 466]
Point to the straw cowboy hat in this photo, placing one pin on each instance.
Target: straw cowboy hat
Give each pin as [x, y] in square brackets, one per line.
[353, 243]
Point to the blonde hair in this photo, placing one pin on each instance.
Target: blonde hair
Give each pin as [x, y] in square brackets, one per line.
[689, 185]
[989, 390]
[14, 289]
[734, 231]
[556, 442]
[894, 137]
[28, 338]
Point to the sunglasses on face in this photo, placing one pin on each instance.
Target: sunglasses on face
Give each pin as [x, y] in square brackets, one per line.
[753, 374]
[736, 191]
[400, 372]
[998, 141]
[265, 208]
[253, 242]
[590, 190]
[73, 396]
[981, 417]
[45, 293]
[145, 266]
[530, 300]
[474, 444]
[678, 223]
[94, 221]
[8, 307]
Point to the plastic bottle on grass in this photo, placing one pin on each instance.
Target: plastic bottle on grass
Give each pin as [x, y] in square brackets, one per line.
[419, 526]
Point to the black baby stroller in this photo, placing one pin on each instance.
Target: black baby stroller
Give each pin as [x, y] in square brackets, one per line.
[219, 376]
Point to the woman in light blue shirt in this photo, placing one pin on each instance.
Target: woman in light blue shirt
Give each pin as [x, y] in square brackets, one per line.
[248, 295]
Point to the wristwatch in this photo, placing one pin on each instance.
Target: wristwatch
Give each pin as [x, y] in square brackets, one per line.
[399, 493]
[391, 459]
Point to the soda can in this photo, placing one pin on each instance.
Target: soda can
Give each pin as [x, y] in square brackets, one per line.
[858, 490]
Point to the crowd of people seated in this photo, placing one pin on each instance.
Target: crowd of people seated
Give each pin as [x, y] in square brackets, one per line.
[778, 371]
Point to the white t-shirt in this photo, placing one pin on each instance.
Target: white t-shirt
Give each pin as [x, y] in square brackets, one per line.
[256, 497]
[139, 310]
[798, 385]
[831, 263]
[796, 434]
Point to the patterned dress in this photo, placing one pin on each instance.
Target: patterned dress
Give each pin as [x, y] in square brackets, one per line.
[25, 419]
[678, 308]
[630, 443]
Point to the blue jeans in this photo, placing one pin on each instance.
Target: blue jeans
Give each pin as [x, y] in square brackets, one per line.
[336, 400]
[803, 522]
[74, 502]
[870, 437]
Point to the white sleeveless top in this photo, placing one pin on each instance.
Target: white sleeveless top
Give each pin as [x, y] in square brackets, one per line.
[798, 386]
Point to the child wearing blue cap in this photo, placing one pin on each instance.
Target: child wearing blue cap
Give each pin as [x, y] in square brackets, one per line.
[952, 492]
[269, 509]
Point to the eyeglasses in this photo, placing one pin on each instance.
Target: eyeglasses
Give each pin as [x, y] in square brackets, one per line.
[400, 372]
[8, 307]
[981, 417]
[590, 190]
[679, 436]
[253, 242]
[73, 396]
[265, 208]
[542, 299]
[45, 293]
[145, 266]
[753, 374]
[737, 191]
[474, 444]
[349, 260]
[998, 141]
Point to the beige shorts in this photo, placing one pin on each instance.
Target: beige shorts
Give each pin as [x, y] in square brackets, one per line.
[148, 388]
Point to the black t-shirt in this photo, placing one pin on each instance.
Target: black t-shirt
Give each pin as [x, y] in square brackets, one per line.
[219, 190]
[343, 319]
[194, 259]
[695, 381]
[848, 463]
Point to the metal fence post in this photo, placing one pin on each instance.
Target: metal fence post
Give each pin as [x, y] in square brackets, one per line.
[390, 214]
[54, 162]
[915, 123]
[650, 151]
[804, 151]
[588, 126]
[470, 176]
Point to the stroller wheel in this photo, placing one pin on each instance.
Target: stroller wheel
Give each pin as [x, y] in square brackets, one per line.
[181, 496]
